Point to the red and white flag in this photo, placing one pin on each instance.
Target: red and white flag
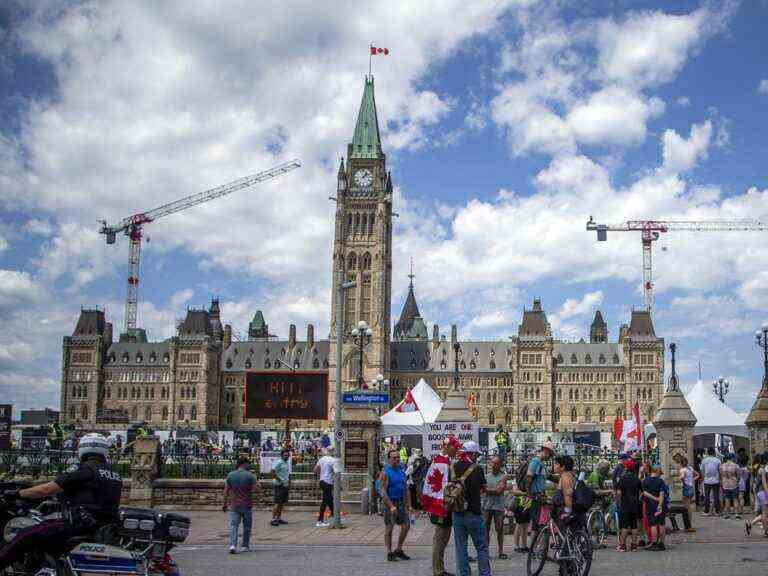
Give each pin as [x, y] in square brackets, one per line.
[632, 431]
[432, 493]
[408, 404]
[379, 51]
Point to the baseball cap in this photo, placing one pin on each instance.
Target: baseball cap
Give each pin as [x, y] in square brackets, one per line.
[547, 446]
[471, 446]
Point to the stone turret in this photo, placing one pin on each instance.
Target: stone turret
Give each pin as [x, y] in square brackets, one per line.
[674, 424]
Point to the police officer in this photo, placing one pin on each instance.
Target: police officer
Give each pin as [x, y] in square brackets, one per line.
[92, 494]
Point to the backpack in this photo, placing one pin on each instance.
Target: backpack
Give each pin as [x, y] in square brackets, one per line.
[455, 493]
[418, 474]
[583, 497]
[521, 475]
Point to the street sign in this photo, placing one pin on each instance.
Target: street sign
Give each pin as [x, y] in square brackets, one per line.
[338, 434]
[365, 398]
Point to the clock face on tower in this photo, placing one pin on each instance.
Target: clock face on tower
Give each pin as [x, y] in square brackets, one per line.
[363, 178]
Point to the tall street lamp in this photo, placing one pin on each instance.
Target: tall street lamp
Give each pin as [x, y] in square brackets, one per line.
[361, 336]
[721, 386]
[337, 422]
[456, 350]
[762, 342]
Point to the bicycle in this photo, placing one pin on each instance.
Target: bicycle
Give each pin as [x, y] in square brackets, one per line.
[570, 550]
[600, 522]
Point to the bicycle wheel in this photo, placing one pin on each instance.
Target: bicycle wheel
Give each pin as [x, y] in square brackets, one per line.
[593, 528]
[581, 553]
[539, 552]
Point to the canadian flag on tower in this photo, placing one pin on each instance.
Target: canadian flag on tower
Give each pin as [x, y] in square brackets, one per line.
[408, 404]
[379, 51]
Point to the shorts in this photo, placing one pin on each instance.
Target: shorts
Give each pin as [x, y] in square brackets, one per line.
[654, 519]
[522, 515]
[281, 494]
[627, 520]
[731, 494]
[762, 498]
[493, 516]
[398, 517]
[688, 491]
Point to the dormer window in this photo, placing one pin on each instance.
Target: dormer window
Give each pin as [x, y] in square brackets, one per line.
[472, 364]
[615, 358]
[574, 360]
[267, 363]
[229, 362]
[296, 364]
[112, 358]
[560, 359]
[325, 363]
[139, 358]
[493, 365]
[166, 358]
[125, 358]
[477, 352]
[248, 364]
[152, 357]
[601, 359]
[493, 353]
[588, 359]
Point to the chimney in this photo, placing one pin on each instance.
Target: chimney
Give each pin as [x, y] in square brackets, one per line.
[227, 336]
[291, 336]
[310, 336]
[435, 335]
[454, 334]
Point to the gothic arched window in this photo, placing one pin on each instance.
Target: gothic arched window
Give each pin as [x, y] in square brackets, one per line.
[371, 220]
[357, 223]
[364, 223]
[601, 358]
[84, 412]
[135, 413]
[508, 417]
[181, 413]
[602, 415]
[538, 394]
[573, 415]
[352, 261]
[229, 418]
[525, 414]
[148, 414]
[193, 413]
[574, 360]
[366, 261]
[588, 415]
[538, 414]
[588, 359]
[491, 418]
[557, 414]
[165, 412]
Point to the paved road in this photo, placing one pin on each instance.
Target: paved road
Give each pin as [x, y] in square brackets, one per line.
[688, 559]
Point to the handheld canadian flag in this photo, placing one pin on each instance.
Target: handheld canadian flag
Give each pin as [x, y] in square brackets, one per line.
[408, 404]
[379, 51]
[632, 431]
[432, 492]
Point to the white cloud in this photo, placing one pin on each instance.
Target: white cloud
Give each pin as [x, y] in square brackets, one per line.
[38, 227]
[614, 115]
[181, 297]
[683, 101]
[573, 307]
[18, 288]
[682, 154]
[762, 87]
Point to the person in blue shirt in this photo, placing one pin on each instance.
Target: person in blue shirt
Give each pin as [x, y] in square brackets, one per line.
[397, 505]
[536, 483]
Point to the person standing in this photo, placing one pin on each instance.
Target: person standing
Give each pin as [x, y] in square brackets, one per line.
[494, 504]
[536, 483]
[521, 510]
[628, 496]
[729, 478]
[438, 514]
[469, 523]
[688, 478]
[281, 473]
[502, 442]
[743, 486]
[238, 500]
[324, 468]
[710, 467]
[397, 506]
[654, 497]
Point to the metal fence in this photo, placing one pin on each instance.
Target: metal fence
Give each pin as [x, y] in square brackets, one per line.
[199, 462]
[48, 463]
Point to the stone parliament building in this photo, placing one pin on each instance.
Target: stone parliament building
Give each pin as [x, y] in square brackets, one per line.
[196, 379]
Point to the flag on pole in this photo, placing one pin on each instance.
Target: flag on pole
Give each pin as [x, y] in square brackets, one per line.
[618, 426]
[632, 430]
[432, 492]
[408, 404]
[379, 51]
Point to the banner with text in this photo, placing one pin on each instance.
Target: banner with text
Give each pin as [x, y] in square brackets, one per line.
[436, 432]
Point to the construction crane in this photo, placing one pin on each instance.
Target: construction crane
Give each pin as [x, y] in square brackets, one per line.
[132, 226]
[650, 230]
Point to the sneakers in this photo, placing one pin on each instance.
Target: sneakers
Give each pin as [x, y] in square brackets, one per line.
[245, 549]
[232, 550]
[503, 556]
[652, 547]
[401, 555]
[660, 547]
[274, 522]
[748, 528]
[391, 557]
[281, 521]
[321, 524]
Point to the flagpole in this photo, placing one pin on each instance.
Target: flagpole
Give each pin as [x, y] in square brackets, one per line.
[370, 58]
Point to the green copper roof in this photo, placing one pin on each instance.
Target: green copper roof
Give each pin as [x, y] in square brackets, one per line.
[366, 142]
[258, 320]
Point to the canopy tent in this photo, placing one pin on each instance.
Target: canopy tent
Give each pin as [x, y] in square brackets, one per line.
[428, 404]
[713, 416]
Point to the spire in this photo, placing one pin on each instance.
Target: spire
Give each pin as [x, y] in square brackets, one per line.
[366, 142]
[411, 325]
[258, 329]
[598, 332]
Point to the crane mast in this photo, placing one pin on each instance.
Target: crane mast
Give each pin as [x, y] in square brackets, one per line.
[650, 230]
[133, 227]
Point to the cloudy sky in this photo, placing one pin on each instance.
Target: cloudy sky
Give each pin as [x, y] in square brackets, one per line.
[506, 124]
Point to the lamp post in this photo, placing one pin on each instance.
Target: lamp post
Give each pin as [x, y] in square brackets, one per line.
[361, 336]
[456, 349]
[721, 386]
[762, 342]
[337, 423]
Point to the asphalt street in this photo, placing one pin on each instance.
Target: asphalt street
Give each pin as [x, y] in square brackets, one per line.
[686, 559]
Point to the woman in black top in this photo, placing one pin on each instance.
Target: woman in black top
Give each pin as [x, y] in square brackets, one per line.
[628, 494]
[562, 503]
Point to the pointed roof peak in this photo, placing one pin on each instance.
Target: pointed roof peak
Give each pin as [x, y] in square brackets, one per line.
[411, 276]
[366, 142]
[411, 325]
[598, 319]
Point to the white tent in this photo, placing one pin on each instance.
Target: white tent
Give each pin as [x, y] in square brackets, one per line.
[713, 416]
[395, 423]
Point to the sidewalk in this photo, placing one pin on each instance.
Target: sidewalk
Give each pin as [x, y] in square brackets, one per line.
[212, 528]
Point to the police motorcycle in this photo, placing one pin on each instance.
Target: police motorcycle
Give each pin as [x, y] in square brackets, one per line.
[139, 545]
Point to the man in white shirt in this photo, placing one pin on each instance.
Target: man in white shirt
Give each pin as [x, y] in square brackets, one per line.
[710, 469]
[324, 468]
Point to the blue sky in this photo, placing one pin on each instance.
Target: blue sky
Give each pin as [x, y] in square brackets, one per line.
[506, 124]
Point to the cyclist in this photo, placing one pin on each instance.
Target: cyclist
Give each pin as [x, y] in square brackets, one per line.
[596, 481]
[563, 510]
